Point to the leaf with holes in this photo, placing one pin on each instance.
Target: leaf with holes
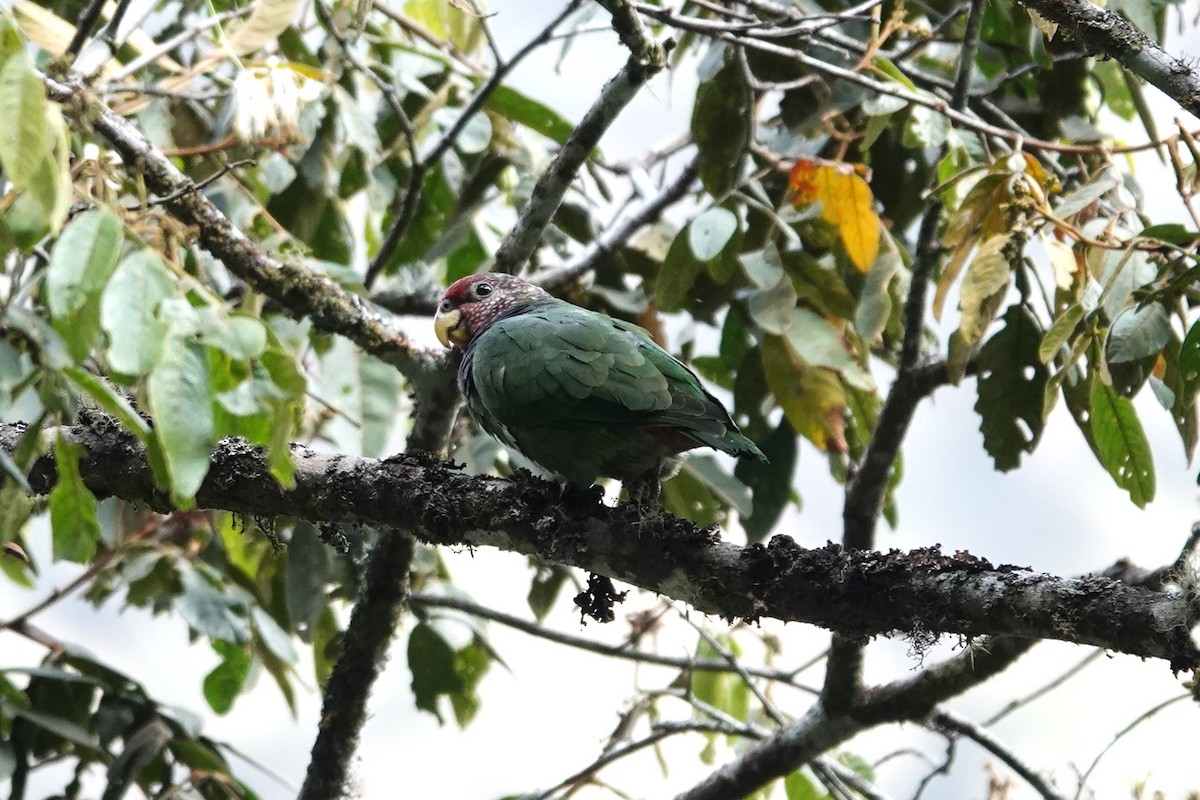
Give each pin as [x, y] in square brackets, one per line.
[1121, 443]
[1011, 384]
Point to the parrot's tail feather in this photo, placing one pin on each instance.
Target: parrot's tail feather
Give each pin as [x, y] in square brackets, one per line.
[732, 442]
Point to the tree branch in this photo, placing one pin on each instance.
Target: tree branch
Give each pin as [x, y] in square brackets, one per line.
[592, 646]
[301, 292]
[856, 593]
[1110, 34]
[608, 242]
[406, 204]
[952, 724]
[818, 731]
[364, 647]
[552, 184]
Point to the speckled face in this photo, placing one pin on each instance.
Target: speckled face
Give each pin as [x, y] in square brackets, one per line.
[473, 303]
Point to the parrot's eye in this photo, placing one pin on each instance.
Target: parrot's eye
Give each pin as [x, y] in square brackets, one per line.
[483, 290]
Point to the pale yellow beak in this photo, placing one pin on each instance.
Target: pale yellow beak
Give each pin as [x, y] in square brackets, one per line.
[451, 329]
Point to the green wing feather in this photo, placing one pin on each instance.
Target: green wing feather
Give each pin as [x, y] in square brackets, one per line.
[558, 364]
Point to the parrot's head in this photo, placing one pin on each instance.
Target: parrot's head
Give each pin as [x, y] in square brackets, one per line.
[473, 303]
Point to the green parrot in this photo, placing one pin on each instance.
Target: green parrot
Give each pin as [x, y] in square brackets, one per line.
[579, 393]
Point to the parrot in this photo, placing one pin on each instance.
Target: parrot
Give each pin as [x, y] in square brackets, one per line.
[580, 394]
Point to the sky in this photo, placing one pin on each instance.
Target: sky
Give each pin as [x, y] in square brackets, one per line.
[549, 713]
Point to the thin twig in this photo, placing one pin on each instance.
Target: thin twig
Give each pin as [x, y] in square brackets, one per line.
[617, 235]
[1145, 715]
[406, 204]
[1013, 705]
[85, 26]
[640, 656]
[951, 723]
[224, 170]
[768, 707]
[552, 184]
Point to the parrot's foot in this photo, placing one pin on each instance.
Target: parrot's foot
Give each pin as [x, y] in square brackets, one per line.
[645, 494]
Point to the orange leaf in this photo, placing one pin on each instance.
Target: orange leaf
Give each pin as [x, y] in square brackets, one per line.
[846, 203]
[803, 183]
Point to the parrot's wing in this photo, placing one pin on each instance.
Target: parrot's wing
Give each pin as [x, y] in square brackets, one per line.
[567, 365]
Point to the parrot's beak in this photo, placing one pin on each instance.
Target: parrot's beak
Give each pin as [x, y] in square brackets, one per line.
[451, 329]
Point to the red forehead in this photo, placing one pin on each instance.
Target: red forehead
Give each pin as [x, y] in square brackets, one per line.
[459, 289]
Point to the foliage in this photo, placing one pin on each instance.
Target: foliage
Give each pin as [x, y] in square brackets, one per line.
[385, 149]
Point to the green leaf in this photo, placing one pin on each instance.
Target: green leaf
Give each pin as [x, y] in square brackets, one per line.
[8, 760]
[536, 116]
[82, 260]
[980, 295]
[677, 275]
[273, 637]
[1137, 333]
[772, 309]
[25, 137]
[241, 336]
[875, 303]
[208, 609]
[1117, 99]
[226, 680]
[798, 786]
[710, 232]
[431, 660]
[80, 265]
[129, 312]
[545, 587]
[816, 342]
[180, 402]
[1121, 443]
[823, 288]
[722, 124]
[1169, 232]
[72, 508]
[306, 581]
[381, 392]
[727, 487]
[1011, 386]
[1189, 360]
[1059, 332]
[471, 663]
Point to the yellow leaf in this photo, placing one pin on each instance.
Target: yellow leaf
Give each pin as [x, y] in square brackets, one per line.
[1063, 261]
[988, 275]
[812, 398]
[846, 203]
[982, 291]
[983, 214]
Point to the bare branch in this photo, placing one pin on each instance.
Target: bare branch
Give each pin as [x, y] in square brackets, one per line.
[950, 723]
[1145, 715]
[406, 204]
